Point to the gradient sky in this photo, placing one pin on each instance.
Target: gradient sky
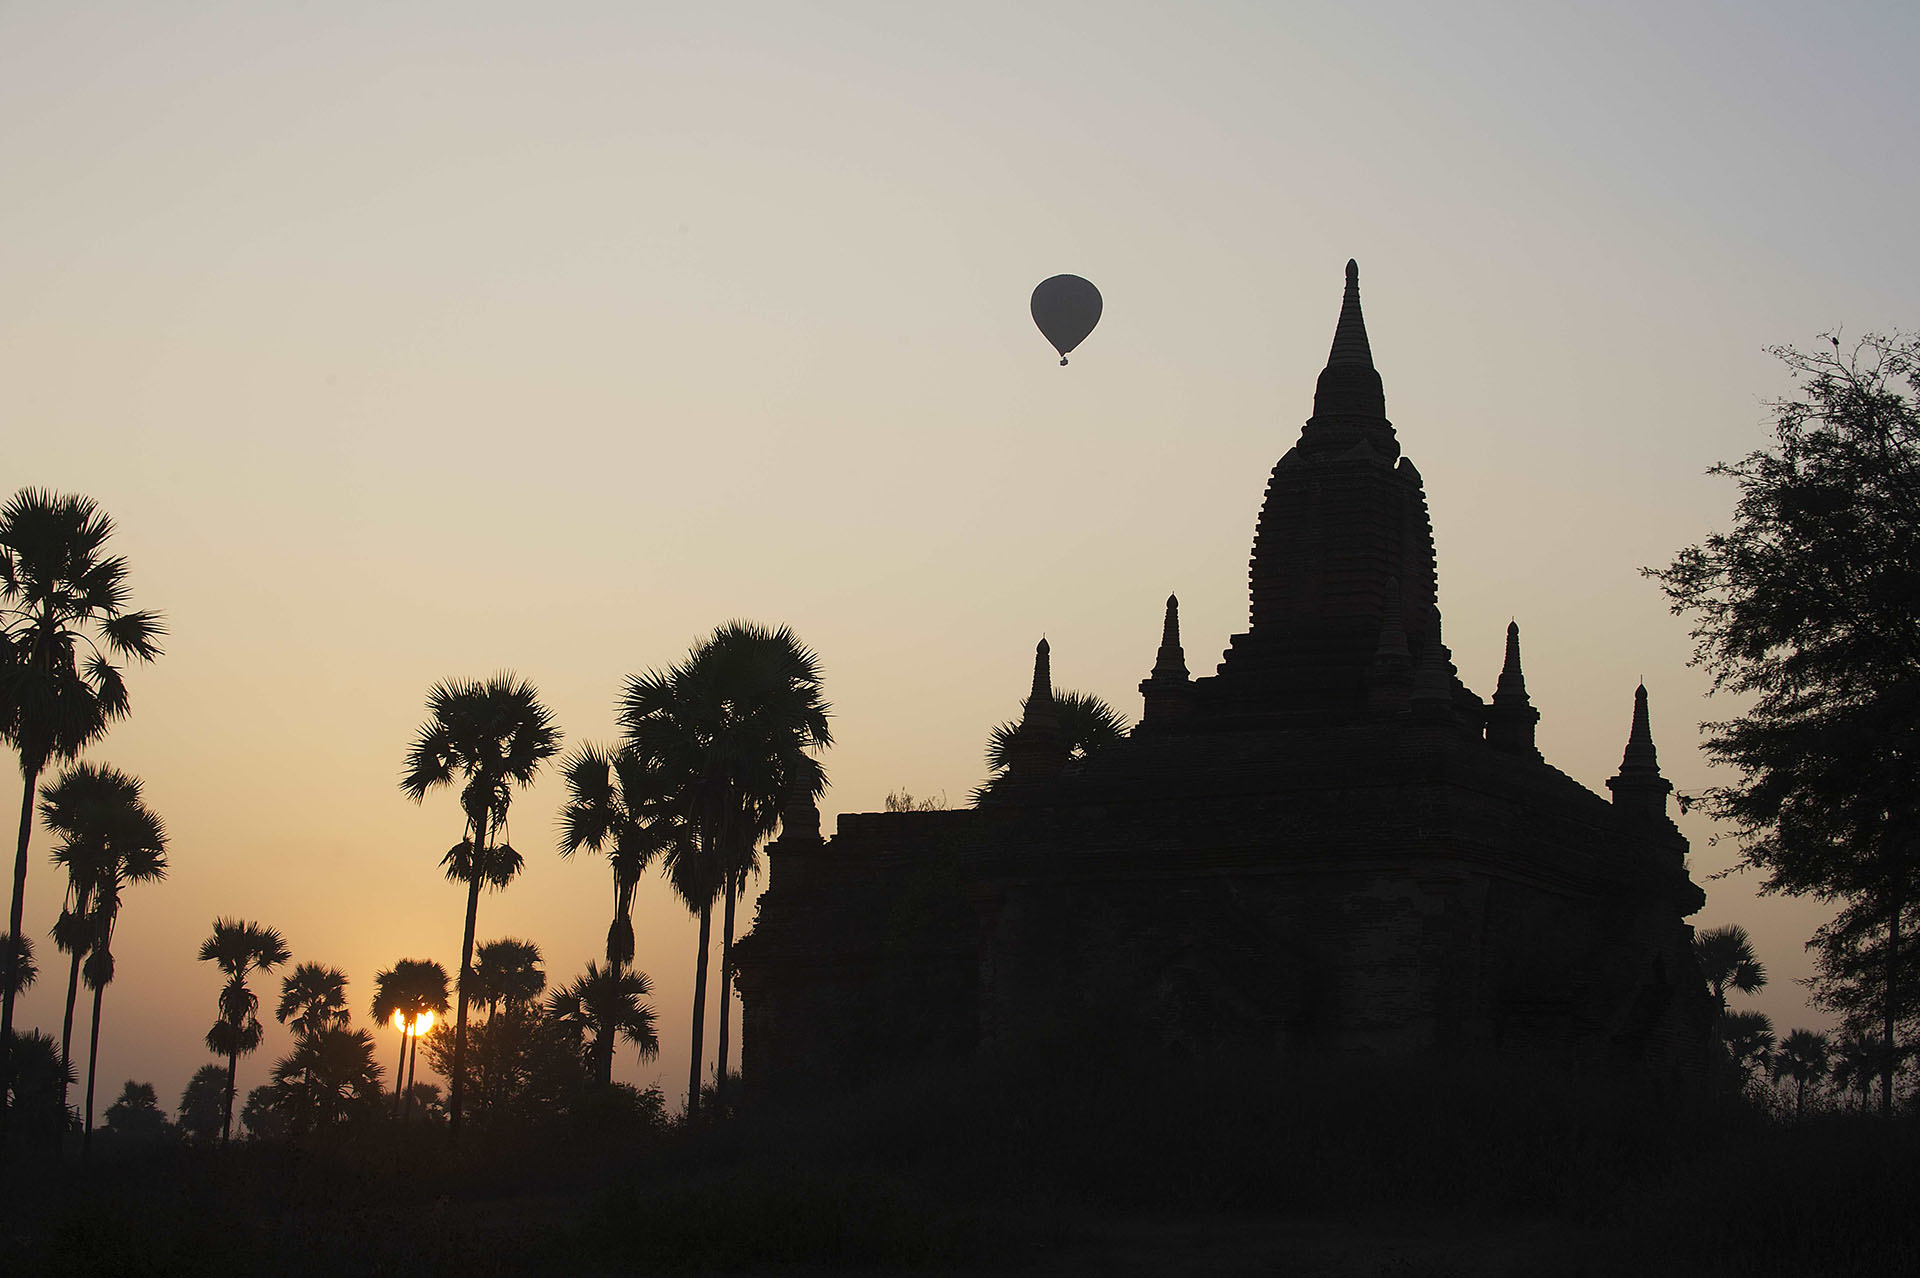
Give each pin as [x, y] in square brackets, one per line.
[426, 340]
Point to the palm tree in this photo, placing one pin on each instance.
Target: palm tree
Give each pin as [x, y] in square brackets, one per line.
[61, 601]
[1749, 1040]
[493, 736]
[239, 950]
[414, 990]
[1856, 1064]
[123, 842]
[1087, 726]
[729, 730]
[1802, 1056]
[506, 973]
[34, 1086]
[1727, 961]
[601, 1006]
[202, 1101]
[17, 968]
[617, 805]
[329, 1073]
[313, 997]
[103, 823]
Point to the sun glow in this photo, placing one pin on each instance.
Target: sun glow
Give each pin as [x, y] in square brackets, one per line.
[418, 1026]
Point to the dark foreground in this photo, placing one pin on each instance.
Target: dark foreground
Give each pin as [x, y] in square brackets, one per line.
[1172, 1167]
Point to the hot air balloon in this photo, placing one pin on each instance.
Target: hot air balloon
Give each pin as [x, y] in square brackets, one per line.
[1066, 308]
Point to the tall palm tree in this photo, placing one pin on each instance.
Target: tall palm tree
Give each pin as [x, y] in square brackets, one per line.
[618, 806]
[603, 1005]
[62, 601]
[135, 852]
[1087, 726]
[412, 991]
[105, 829]
[239, 950]
[1727, 961]
[491, 736]
[313, 997]
[731, 730]
[1802, 1056]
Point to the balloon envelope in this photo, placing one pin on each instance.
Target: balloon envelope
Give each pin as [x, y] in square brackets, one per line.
[1066, 308]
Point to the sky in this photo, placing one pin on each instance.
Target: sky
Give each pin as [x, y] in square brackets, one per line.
[416, 341]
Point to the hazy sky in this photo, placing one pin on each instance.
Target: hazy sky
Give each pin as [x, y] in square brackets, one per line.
[408, 341]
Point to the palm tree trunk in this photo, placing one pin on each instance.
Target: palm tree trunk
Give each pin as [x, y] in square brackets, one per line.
[699, 1008]
[410, 1062]
[456, 1090]
[93, 1066]
[29, 780]
[400, 1074]
[726, 988]
[66, 1028]
[233, 1070]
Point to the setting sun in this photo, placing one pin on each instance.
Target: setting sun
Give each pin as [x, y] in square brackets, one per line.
[421, 1023]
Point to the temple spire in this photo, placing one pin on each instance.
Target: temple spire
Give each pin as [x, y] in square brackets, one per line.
[1639, 787]
[1166, 690]
[1511, 719]
[1350, 334]
[1036, 752]
[1349, 386]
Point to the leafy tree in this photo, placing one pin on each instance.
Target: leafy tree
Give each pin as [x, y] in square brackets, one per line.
[731, 730]
[203, 1103]
[412, 991]
[618, 806]
[329, 1077]
[1749, 1040]
[1810, 608]
[33, 1084]
[1802, 1056]
[63, 607]
[238, 950]
[902, 800]
[492, 736]
[137, 1114]
[1087, 726]
[601, 1006]
[523, 1070]
[313, 997]
[425, 1097]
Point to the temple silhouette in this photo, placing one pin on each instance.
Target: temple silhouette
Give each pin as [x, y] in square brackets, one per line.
[1331, 843]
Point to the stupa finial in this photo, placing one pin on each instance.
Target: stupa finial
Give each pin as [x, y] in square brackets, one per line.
[1511, 719]
[1639, 785]
[1349, 386]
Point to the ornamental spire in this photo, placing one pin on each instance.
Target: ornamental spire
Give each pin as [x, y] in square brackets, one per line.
[1349, 386]
[1639, 786]
[1511, 719]
[1166, 690]
[1035, 753]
